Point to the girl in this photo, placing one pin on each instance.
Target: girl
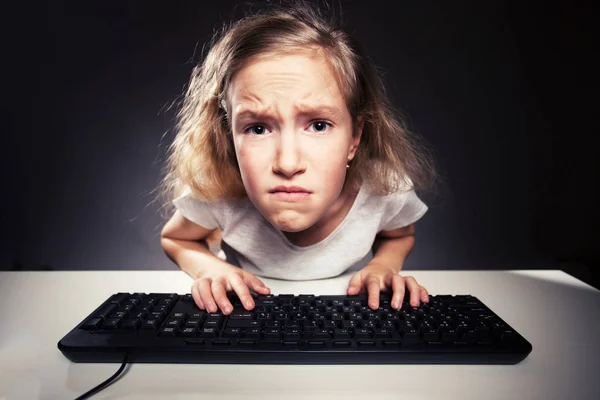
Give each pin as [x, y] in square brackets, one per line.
[288, 147]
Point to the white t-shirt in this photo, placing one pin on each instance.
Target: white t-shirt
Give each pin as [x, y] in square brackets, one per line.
[251, 242]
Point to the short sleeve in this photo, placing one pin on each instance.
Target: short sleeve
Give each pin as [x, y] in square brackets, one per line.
[402, 210]
[203, 213]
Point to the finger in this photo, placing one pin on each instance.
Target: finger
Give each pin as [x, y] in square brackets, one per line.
[206, 295]
[373, 286]
[256, 284]
[424, 295]
[220, 294]
[355, 284]
[240, 288]
[413, 288]
[398, 290]
[196, 296]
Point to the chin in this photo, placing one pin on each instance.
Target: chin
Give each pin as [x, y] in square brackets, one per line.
[291, 223]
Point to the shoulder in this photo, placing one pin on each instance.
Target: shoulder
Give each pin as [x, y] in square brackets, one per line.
[188, 196]
[399, 192]
[398, 208]
[210, 213]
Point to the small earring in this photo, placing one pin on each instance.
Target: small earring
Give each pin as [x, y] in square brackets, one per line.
[348, 166]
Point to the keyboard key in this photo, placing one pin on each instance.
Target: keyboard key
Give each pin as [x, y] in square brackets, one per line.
[111, 323]
[132, 324]
[321, 334]
[346, 324]
[189, 331]
[381, 333]
[341, 334]
[232, 332]
[239, 315]
[120, 314]
[187, 298]
[253, 332]
[508, 336]
[212, 323]
[92, 323]
[450, 335]
[243, 323]
[362, 334]
[158, 315]
[167, 331]
[174, 323]
[366, 343]
[141, 315]
[209, 332]
[192, 323]
[341, 343]
[329, 325]
[119, 298]
[272, 333]
[150, 323]
[106, 311]
[430, 334]
[411, 334]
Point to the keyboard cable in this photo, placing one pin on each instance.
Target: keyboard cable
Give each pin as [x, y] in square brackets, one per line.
[105, 383]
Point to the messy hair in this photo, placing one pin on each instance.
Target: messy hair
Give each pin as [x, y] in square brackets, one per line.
[202, 156]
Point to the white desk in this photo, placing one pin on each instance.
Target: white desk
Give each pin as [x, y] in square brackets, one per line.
[38, 308]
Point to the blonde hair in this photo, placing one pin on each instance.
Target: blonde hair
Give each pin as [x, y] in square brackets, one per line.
[202, 156]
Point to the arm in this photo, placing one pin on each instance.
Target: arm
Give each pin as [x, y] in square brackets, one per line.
[187, 245]
[391, 248]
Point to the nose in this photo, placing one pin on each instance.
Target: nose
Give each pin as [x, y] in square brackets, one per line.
[288, 158]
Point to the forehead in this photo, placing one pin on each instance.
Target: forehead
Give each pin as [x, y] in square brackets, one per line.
[304, 76]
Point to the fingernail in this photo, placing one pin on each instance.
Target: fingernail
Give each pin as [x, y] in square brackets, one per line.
[248, 304]
[227, 310]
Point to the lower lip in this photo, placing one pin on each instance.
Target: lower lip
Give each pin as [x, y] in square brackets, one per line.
[291, 196]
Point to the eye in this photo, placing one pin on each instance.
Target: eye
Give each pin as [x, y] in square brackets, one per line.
[320, 126]
[256, 130]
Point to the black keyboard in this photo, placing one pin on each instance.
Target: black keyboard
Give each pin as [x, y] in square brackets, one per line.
[294, 329]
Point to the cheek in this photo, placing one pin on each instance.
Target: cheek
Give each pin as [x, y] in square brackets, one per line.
[250, 165]
[331, 161]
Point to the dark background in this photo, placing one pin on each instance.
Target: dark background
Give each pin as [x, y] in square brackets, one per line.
[503, 93]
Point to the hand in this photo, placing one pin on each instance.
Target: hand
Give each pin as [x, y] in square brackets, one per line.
[377, 277]
[211, 288]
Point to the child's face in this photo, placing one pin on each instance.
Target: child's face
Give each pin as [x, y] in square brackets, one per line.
[291, 127]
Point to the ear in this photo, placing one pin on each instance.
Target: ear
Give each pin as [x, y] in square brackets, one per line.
[356, 137]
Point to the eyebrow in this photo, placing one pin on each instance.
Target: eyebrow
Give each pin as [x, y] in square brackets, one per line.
[305, 109]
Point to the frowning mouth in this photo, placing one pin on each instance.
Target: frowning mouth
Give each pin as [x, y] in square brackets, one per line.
[289, 189]
[290, 193]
